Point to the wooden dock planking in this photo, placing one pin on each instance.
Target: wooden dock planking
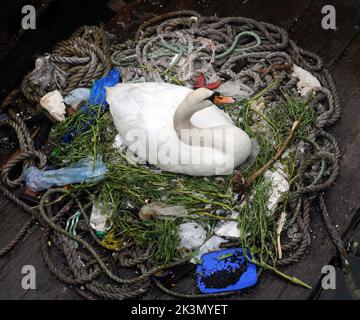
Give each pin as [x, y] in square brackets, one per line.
[327, 43]
[28, 252]
[342, 199]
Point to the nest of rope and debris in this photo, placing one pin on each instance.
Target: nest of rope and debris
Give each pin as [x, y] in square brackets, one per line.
[138, 217]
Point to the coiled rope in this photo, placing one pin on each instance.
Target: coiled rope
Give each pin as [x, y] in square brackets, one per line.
[75, 62]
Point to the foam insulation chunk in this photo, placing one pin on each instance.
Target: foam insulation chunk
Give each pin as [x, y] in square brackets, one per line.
[53, 102]
[228, 229]
[192, 235]
[307, 82]
[279, 185]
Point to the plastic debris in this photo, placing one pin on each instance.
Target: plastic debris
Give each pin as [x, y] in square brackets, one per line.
[97, 98]
[225, 270]
[82, 171]
[212, 244]
[71, 225]
[236, 89]
[44, 73]
[53, 102]
[228, 229]
[77, 96]
[98, 220]
[192, 235]
[161, 210]
[258, 106]
[98, 92]
[307, 82]
[279, 185]
[200, 82]
[118, 143]
[72, 222]
[111, 242]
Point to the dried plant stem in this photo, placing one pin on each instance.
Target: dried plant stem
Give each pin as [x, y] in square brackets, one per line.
[276, 157]
[278, 233]
[294, 280]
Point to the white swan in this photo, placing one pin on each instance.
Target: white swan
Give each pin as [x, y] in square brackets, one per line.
[178, 129]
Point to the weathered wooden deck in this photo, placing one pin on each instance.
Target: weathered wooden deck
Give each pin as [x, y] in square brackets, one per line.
[340, 50]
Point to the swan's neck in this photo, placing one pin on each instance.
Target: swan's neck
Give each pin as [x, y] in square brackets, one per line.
[185, 110]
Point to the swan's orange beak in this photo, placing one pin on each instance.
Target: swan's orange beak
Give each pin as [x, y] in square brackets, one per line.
[221, 100]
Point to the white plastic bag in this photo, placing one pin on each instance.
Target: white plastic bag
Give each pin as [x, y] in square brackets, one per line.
[192, 235]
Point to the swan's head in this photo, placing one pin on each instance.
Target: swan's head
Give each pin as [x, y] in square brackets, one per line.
[203, 94]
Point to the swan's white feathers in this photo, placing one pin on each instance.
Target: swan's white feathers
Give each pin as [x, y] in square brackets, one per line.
[151, 107]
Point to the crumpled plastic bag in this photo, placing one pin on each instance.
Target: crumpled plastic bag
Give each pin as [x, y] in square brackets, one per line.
[228, 229]
[97, 98]
[82, 171]
[307, 82]
[212, 244]
[279, 185]
[161, 210]
[98, 220]
[77, 96]
[98, 92]
[235, 89]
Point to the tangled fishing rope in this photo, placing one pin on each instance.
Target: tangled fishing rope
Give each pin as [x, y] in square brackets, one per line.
[178, 45]
[74, 63]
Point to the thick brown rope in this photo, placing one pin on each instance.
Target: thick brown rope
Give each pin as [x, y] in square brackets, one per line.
[76, 62]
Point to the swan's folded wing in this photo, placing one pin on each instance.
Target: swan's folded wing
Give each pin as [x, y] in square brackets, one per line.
[124, 109]
[211, 117]
[149, 107]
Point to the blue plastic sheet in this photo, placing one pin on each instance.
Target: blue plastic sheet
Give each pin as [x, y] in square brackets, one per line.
[97, 98]
[83, 171]
[98, 92]
[218, 271]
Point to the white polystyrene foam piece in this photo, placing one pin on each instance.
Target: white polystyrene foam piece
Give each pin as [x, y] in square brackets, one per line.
[307, 82]
[192, 235]
[279, 185]
[53, 102]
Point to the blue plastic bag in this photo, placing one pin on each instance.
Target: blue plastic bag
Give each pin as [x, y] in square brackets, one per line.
[97, 98]
[83, 171]
[225, 270]
[98, 92]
